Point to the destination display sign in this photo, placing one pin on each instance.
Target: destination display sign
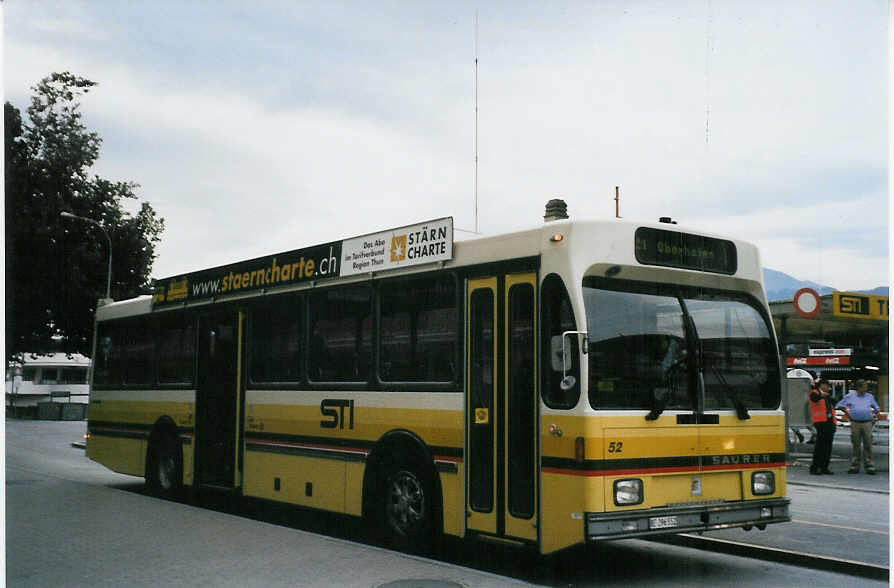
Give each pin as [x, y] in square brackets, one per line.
[860, 306]
[685, 251]
[406, 246]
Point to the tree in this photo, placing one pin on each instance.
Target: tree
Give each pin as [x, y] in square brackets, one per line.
[56, 268]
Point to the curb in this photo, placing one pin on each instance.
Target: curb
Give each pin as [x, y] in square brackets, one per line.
[797, 558]
[834, 487]
[79, 445]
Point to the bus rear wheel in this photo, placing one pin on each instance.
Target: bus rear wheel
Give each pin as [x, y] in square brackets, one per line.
[164, 468]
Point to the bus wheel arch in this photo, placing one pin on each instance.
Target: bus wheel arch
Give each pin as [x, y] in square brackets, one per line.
[402, 497]
[164, 460]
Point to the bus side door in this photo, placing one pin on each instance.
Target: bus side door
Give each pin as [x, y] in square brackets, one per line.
[217, 399]
[501, 406]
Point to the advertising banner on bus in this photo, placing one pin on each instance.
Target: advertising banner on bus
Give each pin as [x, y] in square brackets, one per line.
[270, 271]
[421, 243]
[406, 246]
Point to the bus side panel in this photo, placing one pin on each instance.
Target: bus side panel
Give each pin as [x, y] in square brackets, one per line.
[354, 488]
[307, 481]
[569, 489]
[561, 516]
[119, 430]
[189, 448]
[125, 456]
[453, 499]
[324, 437]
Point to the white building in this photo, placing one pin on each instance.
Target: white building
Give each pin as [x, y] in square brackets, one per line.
[56, 377]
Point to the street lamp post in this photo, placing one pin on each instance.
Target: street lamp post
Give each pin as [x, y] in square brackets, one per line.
[66, 214]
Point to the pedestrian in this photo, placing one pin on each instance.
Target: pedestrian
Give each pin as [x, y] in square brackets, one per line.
[862, 410]
[822, 414]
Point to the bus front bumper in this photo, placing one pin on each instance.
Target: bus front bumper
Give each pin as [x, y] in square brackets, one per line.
[686, 519]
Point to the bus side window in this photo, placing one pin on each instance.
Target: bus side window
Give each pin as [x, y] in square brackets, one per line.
[557, 317]
[176, 350]
[139, 353]
[341, 334]
[277, 336]
[109, 360]
[418, 338]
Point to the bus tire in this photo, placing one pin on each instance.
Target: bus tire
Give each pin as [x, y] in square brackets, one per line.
[406, 507]
[164, 467]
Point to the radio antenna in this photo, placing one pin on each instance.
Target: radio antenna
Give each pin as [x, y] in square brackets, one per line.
[476, 121]
[475, 232]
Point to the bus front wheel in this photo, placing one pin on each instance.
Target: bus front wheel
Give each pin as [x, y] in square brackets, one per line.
[406, 508]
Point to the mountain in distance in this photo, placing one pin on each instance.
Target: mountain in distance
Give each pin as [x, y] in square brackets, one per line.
[781, 286]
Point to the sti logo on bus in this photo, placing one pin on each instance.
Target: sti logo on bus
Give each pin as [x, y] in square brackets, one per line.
[335, 410]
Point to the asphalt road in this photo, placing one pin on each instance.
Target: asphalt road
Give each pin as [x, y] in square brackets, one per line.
[71, 522]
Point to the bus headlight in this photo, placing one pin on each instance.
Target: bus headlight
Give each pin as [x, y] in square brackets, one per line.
[763, 483]
[628, 492]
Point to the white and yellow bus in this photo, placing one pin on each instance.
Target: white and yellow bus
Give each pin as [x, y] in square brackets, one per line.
[580, 381]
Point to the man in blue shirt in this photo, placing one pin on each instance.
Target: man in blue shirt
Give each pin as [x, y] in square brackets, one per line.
[862, 410]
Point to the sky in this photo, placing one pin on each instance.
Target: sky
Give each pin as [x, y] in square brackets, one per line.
[255, 128]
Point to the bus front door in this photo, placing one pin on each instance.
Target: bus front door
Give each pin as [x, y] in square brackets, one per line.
[217, 399]
[501, 409]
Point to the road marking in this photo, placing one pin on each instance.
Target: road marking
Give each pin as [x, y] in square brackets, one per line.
[839, 527]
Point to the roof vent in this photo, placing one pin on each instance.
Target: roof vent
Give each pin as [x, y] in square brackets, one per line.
[667, 220]
[556, 209]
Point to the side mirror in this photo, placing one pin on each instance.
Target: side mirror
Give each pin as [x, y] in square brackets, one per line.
[567, 383]
[560, 356]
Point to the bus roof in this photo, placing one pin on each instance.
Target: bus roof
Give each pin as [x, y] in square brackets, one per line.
[588, 244]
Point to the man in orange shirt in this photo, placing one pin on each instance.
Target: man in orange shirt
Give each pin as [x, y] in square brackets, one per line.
[822, 411]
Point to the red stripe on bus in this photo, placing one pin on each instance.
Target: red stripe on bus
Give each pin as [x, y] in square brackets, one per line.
[335, 448]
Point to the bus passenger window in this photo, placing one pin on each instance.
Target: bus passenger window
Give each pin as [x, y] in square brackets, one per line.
[419, 334]
[341, 335]
[557, 318]
[276, 340]
[176, 351]
[109, 359]
[139, 353]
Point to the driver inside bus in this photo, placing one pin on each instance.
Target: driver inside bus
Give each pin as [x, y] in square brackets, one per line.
[674, 356]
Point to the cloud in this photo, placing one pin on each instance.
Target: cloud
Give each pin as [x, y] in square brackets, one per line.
[832, 243]
[260, 130]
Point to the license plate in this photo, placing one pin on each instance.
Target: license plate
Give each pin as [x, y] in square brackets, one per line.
[662, 522]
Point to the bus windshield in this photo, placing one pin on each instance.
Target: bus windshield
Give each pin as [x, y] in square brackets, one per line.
[664, 347]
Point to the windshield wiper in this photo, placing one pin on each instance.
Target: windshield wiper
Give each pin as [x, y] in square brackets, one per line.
[731, 393]
[658, 405]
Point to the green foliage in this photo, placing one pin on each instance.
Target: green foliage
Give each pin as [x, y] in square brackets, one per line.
[56, 268]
